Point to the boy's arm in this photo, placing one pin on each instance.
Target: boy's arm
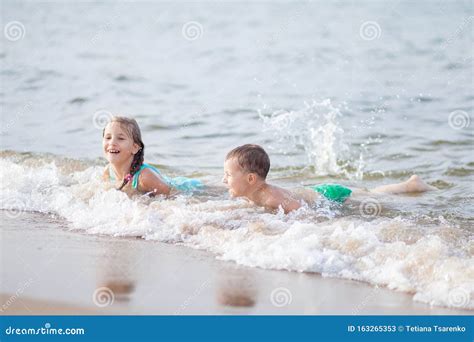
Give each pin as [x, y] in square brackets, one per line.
[286, 202]
[290, 204]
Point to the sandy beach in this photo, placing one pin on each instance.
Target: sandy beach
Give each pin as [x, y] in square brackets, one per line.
[361, 95]
[47, 269]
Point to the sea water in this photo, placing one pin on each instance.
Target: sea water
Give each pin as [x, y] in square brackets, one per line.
[331, 96]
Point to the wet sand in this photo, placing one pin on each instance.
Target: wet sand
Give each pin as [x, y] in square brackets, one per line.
[47, 269]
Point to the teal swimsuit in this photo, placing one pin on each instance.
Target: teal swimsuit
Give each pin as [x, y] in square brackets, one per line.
[333, 192]
[180, 183]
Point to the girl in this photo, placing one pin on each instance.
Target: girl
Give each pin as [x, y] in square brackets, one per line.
[124, 150]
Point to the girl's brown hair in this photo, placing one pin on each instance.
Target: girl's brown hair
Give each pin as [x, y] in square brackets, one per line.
[133, 130]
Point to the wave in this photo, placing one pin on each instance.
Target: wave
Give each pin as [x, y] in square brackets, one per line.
[430, 259]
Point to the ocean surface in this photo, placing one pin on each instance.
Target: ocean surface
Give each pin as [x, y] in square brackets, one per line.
[361, 93]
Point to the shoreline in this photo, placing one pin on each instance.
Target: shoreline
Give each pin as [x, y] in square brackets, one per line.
[49, 270]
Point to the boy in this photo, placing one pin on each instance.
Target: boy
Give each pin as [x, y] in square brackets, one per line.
[246, 168]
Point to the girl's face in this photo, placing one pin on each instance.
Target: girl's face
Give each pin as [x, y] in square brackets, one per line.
[118, 145]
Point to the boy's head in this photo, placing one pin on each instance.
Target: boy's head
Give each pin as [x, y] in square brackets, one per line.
[244, 168]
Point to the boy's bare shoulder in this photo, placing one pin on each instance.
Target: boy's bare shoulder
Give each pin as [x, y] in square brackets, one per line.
[272, 202]
[305, 194]
[282, 198]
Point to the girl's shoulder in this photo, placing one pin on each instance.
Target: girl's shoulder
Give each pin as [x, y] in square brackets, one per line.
[149, 170]
[149, 179]
[149, 174]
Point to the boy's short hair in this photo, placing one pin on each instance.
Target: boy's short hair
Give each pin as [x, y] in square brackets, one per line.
[251, 158]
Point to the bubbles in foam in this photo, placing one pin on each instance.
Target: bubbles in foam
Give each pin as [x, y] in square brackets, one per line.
[394, 252]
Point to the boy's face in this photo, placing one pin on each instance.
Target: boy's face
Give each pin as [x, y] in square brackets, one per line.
[237, 180]
[117, 145]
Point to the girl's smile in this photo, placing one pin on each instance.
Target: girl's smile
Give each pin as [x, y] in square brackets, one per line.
[118, 146]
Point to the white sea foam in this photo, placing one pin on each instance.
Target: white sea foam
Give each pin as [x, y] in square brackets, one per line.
[433, 263]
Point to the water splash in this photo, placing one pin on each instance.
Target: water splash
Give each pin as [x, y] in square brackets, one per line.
[316, 131]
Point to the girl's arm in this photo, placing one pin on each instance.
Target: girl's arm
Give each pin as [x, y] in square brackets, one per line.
[149, 181]
[105, 174]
